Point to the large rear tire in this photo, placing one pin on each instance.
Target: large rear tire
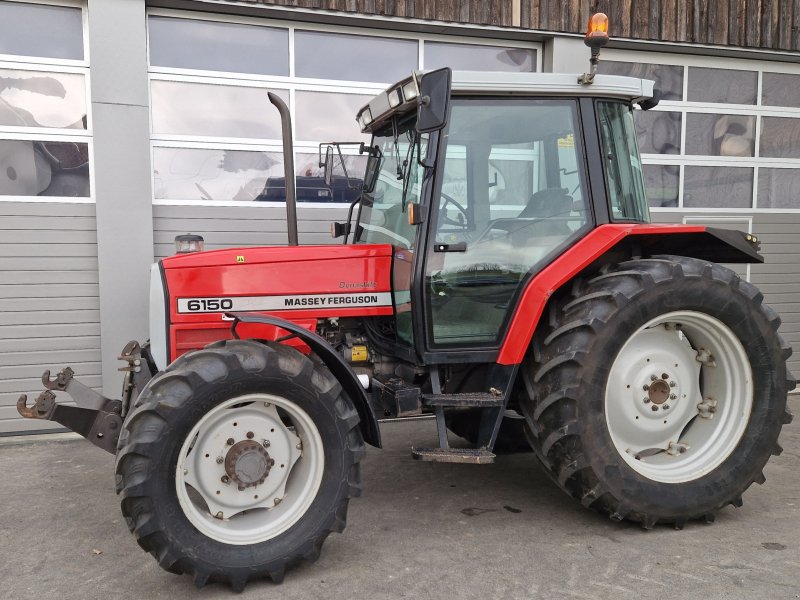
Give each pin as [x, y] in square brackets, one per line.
[238, 461]
[659, 390]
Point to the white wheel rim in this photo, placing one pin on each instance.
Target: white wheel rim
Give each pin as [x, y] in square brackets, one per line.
[701, 408]
[262, 510]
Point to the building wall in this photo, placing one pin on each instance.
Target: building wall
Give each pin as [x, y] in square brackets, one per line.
[49, 300]
[773, 24]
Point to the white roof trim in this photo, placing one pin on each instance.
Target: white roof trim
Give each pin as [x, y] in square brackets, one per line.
[551, 84]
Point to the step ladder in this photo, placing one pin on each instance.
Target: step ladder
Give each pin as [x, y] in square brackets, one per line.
[492, 405]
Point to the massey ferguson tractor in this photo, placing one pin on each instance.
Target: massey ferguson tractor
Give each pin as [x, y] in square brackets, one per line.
[498, 271]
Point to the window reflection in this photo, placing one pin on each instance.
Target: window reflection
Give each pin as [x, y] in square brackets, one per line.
[777, 188]
[41, 30]
[720, 135]
[42, 99]
[192, 174]
[29, 168]
[216, 46]
[718, 187]
[353, 57]
[328, 117]
[471, 57]
[311, 182]
[214, 110]
[661, 185]
[722, 85]
[780, 137]
[658, 132]
[780, 89]
[668, 78]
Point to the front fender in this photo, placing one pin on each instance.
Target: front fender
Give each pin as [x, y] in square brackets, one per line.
[333, 360]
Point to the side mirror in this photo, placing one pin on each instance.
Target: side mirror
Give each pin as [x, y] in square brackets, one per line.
[328, 166]
[434, 100]
[651, 102]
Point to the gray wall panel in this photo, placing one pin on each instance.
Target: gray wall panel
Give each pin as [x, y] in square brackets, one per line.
[230, 227]
[779, 277]
[49, 303]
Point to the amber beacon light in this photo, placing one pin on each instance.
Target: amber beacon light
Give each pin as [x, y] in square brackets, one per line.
[596, 37]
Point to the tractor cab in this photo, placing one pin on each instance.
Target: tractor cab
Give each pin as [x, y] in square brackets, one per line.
[505, 173]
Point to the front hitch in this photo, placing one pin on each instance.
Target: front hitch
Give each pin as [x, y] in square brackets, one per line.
[95, 417]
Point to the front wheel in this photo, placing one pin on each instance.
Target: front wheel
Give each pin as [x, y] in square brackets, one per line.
[238, 461]
[659, 390]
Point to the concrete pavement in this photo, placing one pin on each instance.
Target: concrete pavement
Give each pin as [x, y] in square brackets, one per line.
[420, 531]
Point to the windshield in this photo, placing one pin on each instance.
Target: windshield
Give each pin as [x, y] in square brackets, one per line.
[624, 175]
[383, 218]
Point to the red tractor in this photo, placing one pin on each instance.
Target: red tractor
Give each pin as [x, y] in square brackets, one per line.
[498, 271]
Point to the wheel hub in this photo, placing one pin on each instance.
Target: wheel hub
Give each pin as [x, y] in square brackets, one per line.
[658, 392]
[248, 464]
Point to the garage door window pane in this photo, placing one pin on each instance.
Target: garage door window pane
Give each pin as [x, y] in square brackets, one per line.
[718, 187]
[780, 137]
[29, 168]
[722, 85]
[214, 46]
[720, 135]
[668, 78]
[191, 174]
[214, 110]
[351, 57]
[777, 188]
[780, 89]
[661, 185]
[41, 30]
[470, 57]
[328, 117]
[658, 132]
[42, 99]
[311, 184]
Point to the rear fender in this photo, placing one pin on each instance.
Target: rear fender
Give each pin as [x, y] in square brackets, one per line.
[333, 360]
[614, 243]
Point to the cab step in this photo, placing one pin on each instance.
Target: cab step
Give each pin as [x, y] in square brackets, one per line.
[478, 400]
[470, 456]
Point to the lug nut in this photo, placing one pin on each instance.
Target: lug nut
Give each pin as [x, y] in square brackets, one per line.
[225, 479]
[653, 377]
[230, 442]
[672, 384]
[664, 376]
[249, 435]
[645, 399]
[645, 387]
[654, 408]
[666, 407]
[219, 460]
[266, 444]
[672, 396]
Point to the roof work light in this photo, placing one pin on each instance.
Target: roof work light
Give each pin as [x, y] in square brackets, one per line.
[596, 37]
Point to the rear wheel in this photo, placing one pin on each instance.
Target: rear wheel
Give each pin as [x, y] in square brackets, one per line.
[238, 461]
[659, 390]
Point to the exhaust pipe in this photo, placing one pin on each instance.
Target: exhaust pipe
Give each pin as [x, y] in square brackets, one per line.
[288, 167]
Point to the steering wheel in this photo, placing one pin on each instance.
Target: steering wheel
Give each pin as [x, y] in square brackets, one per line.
[445, 220]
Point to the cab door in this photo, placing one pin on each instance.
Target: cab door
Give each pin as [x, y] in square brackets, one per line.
[512, 197]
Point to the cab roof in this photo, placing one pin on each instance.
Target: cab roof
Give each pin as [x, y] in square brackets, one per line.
[395, 100]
